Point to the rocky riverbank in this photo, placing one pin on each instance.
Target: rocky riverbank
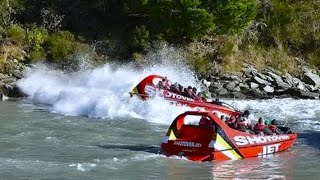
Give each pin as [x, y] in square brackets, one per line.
[269, 84]
[8, 86]
[246, 84]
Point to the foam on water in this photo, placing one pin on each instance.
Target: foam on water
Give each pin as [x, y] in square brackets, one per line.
[103, 92]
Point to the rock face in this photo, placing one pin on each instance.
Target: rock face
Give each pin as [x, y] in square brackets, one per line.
[254, 84]
[312, 79]
[8, 87]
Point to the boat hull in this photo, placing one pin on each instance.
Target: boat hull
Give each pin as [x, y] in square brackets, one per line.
[220, 142]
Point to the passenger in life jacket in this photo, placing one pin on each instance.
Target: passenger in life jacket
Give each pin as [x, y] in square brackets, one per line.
[205, 122]
[191, 93]
[232, 122]
[166, 83]
[185, 93]
[195, 94]
[246, 120]
[259, 127]
[241, 126]
[175, 88]
[273, 127]
[161, 84]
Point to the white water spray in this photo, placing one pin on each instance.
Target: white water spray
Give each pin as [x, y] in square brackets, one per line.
[103, 92]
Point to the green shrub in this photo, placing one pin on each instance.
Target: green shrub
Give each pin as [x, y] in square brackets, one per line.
[60, 46]
[314, 59]
[140, 39]
[35, 56]
[16, 34]
[36, 37]
[231, 16]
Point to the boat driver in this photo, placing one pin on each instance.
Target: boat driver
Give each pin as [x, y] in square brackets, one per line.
[205, 122]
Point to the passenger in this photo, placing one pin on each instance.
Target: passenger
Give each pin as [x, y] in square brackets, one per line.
[190, 93]
[227, 120]
[241, 126]
[232, 122]
[180, 88]
[273, 127]
[194, 90]
[204, 121]
[166, 83]
[246, 119]
[161, 84]
[259, 127]
[175, 88]
[185, 93]
[222, 118]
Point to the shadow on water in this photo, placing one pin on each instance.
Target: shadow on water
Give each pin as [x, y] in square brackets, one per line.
[311, 138]
[142, 148]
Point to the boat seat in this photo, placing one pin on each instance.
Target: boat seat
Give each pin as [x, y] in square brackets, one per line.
[194, 133]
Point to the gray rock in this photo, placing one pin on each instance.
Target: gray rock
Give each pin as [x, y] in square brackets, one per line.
[311, 87]
[261, 81]
[312, 79]
[237, 89]
[302, 94]
[277, 78]
[261, 76]
[236, 78]
[254, 85]
[283, 85]
[287, 78]
[306, 69]
[230, 86]
[17, 74]
[222, 91]
[270, 79]
[8, 80]
[301, 86]
[5, 89]
[268, 89]
[215, 86]
[249, 71]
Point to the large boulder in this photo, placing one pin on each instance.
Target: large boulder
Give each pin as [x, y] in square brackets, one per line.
[261, 81]
[287, 78]
[237, 89]
[262, 76]
[302, 94]
[254, 85]
[222, 92]
[268, 89]
[277, 78]
[230, 86]
[312, 79]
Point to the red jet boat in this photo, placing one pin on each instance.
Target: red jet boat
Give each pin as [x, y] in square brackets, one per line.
[218, 141]
[147, 88]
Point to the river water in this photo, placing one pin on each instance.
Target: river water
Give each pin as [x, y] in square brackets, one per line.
[84, 126]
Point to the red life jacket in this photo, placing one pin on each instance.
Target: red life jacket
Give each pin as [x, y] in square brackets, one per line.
[205, 122]
[273, 128]
[259, 127]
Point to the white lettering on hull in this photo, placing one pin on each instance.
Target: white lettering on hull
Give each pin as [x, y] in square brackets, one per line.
[244, 140]
[187, 144]
[172, 95]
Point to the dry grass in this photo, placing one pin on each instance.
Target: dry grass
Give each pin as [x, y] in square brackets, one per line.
[7, 54]
[261, 58]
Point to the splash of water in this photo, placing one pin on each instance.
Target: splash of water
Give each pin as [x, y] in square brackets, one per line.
[103, 92]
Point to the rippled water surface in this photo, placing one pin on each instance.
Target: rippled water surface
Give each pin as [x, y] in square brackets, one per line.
[38, 144]
[83, 125]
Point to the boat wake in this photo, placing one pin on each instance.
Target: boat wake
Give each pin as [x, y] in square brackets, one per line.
[103, 92]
